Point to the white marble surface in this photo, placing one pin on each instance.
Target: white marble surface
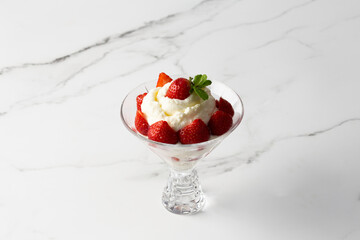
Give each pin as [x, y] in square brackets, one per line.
[70, 170]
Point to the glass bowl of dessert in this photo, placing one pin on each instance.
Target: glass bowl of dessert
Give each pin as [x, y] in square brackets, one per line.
[182, 120]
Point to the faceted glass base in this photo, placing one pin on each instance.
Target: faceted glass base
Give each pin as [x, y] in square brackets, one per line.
[183, 194]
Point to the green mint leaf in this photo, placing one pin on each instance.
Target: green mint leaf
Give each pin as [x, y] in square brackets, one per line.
[197, 79]
[206, 83]
[197, 83]
[203, 79]
[201, 93]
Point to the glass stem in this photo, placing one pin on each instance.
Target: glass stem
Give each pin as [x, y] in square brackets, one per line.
[183, 194]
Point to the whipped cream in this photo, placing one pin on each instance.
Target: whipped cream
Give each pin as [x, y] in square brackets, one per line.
[178, 113]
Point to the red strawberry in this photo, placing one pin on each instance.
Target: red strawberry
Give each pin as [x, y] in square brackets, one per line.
[139, 100]
[163, 79]
[162, 132]
[195, 132]
[179, 89]
[220, 122]
[225, 106]
[141, 124]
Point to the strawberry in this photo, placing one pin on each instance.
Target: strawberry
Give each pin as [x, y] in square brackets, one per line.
[163, 79]
[225, 106]
[220, 122]
[179, 89]
[139, 100]
[195, 132]
[141, 124]
[162, 132]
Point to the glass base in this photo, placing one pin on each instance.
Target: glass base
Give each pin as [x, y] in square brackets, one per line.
[183, 194]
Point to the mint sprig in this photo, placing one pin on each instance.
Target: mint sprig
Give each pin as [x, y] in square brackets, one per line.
[197, 83]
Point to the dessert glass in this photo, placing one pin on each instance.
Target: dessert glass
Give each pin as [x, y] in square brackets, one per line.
[182, 194]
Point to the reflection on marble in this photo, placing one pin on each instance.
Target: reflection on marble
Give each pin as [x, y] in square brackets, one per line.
[69, 169]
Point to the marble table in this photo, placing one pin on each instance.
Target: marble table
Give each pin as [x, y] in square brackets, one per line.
[70, 170]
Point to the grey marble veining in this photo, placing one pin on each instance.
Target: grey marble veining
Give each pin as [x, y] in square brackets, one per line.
[68, 168]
